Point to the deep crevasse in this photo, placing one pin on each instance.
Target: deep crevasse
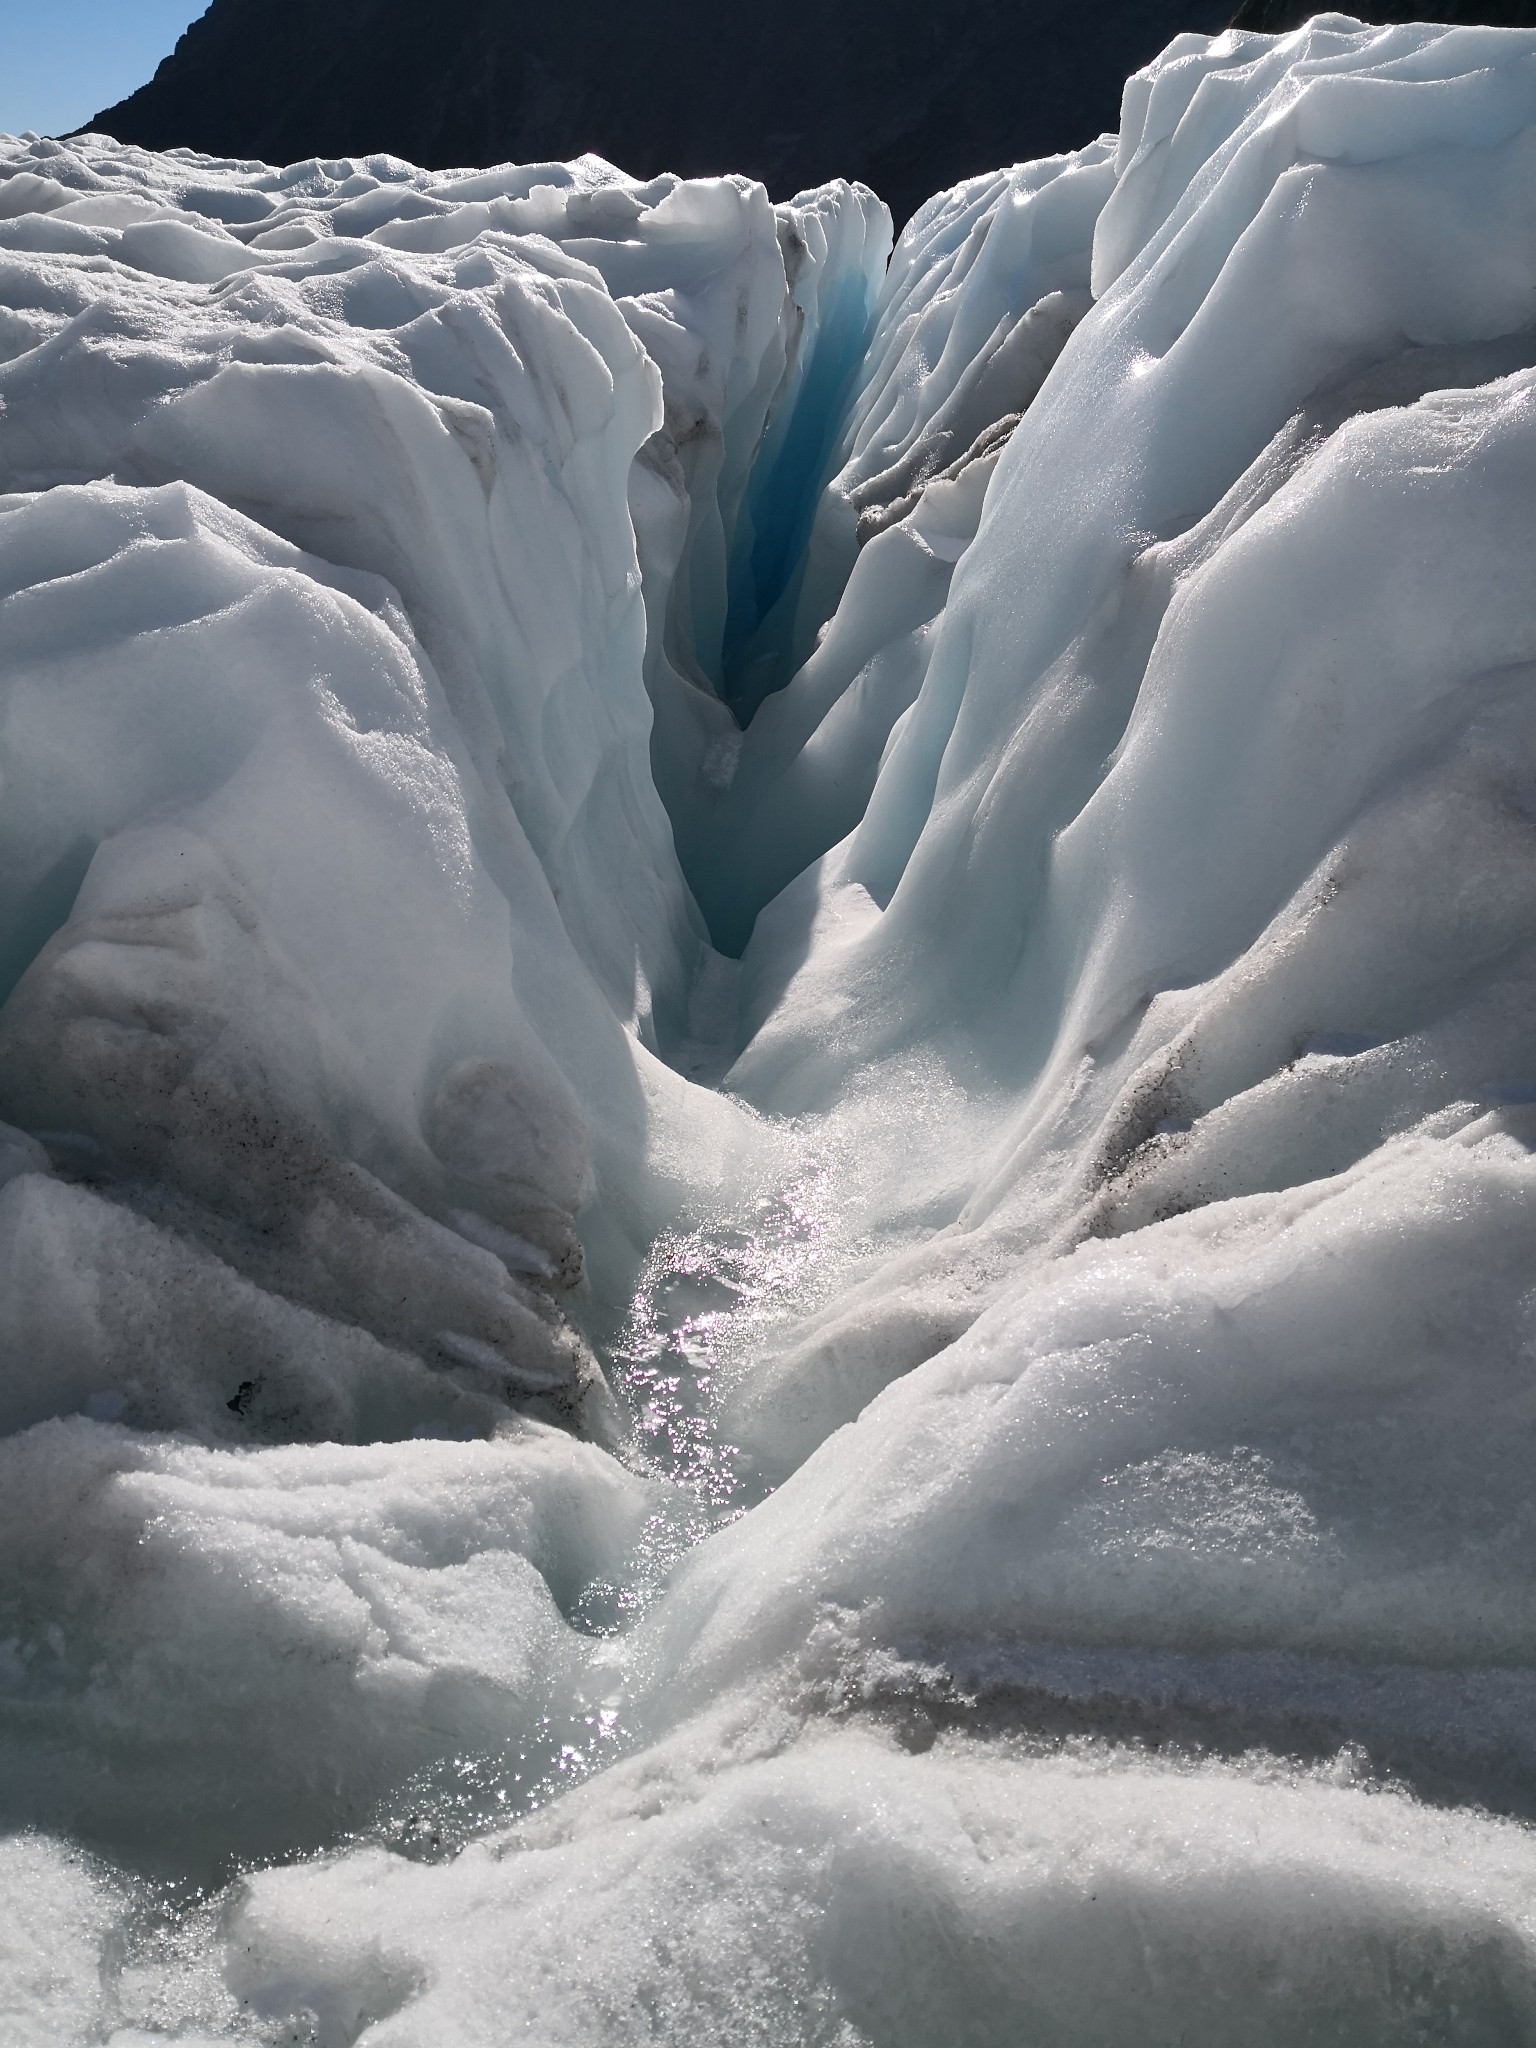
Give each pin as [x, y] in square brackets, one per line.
[1086, 1344]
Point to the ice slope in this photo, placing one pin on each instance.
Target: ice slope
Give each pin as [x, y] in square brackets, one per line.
[261, 1646]
[1057, 1561]
[979, 299]
[336, 847]
[1208, 690]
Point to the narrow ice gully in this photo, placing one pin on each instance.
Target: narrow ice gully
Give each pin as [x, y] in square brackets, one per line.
[766, 1247]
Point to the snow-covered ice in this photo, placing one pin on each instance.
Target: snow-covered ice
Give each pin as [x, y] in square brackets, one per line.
[766, 1191]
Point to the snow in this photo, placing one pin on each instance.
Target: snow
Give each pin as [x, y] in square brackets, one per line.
[397, 1604]
[765, 1185]
[1019, 1892]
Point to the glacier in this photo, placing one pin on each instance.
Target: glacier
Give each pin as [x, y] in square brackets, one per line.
[766, 1086]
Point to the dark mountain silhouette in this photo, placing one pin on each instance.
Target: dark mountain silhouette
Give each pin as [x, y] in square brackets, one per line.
[1278, 15]
[907, 94]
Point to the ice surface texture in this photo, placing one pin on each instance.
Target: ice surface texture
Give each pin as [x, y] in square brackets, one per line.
[1047, 721]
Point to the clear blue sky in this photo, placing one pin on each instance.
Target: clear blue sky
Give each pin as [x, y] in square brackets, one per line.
[63, 60]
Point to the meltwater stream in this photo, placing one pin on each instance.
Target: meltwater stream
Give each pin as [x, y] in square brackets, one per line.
[709, 1301]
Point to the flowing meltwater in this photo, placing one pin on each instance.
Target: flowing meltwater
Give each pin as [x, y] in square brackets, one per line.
[707, 1300]
[767, 1096]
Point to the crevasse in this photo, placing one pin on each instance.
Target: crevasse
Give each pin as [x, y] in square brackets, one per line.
[766, 1199]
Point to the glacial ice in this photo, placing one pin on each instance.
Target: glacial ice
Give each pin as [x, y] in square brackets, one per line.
[766, 1186]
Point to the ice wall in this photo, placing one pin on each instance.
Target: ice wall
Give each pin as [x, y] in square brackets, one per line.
[1195, 677]
[985, 287]
[341, 929]
[336, 849]
[1056, 1563]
